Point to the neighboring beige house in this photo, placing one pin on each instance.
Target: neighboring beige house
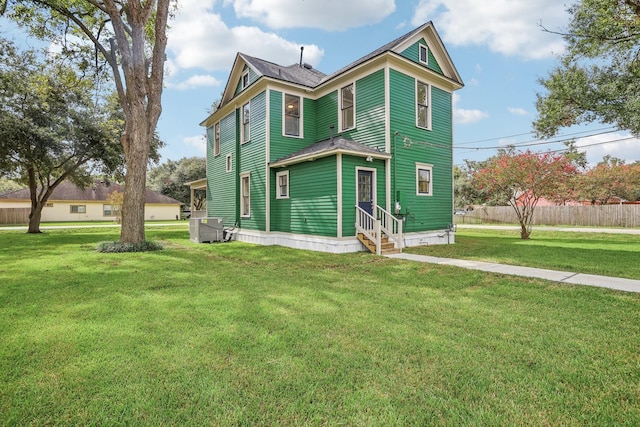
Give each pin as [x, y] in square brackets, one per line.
[70, 203]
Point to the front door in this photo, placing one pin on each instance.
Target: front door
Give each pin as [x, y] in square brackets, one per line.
[365, 191]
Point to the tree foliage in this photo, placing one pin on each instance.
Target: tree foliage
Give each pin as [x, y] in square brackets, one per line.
[51, 129]
[598, 78]
[523, 178]
[169, 179]
[129, 38]
[610, 179]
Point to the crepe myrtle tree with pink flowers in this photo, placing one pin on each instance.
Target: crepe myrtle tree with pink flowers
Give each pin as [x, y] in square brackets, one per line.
[523, 178]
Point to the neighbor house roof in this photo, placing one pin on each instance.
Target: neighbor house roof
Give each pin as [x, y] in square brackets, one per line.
[330, 147]
[97, 192]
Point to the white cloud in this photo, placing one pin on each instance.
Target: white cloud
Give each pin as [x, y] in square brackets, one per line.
[322, 14]
[510, 27]
[198, 142]
[620, 145]
[195, 82]
[198, 38]
[518, 111]
[462, 116]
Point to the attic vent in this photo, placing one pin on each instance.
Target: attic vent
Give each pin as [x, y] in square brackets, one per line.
[307, 66]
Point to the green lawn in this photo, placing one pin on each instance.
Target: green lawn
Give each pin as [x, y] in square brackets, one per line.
[592, 253]
[236, 334]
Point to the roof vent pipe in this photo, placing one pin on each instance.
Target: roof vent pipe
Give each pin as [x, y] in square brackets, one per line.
[301, 50]
[331, 134]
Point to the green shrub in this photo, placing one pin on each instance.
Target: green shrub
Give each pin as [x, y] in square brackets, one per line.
[116, 247]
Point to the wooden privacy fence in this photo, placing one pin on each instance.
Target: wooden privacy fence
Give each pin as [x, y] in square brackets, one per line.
[587, 216]
[14, 215]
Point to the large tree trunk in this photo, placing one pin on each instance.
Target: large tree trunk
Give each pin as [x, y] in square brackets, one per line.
[34, 218]
[137, 156]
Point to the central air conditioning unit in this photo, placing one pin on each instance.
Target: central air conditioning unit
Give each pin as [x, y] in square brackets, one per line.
[206, 230]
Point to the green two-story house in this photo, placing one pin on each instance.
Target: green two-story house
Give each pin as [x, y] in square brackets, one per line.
[361, 158]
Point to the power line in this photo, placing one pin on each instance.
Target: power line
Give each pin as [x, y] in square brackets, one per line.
[562, 138]
[536, 142]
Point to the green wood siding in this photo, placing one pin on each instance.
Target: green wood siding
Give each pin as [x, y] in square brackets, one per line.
[221, 185]
[280, 145]
[253, 160]
[326, 116]
[429, 147]
[370, 111]
[412, 53]
[349, 180]
[312, 204]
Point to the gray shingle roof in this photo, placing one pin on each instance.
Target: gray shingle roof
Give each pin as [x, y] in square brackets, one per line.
[98, 192]
[328, 147]
[303, 75]
[386, 48]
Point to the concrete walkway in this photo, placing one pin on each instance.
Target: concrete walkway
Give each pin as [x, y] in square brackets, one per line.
[617, 283]
[635, 231]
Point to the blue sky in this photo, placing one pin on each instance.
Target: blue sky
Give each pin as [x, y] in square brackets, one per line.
[497, 46]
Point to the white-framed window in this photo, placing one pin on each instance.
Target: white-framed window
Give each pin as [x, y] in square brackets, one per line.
[78, 209]
[292, 115]
[246, 122]
[423, 111]
[216, 139]
[424, 179]
[423, 54]
[347, 107]
[245, 195]
[244, 80]
[282, 183]
[107, 210]
[229, 163]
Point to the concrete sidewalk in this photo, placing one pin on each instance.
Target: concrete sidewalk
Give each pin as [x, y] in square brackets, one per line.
[635, 231]
[617, 283]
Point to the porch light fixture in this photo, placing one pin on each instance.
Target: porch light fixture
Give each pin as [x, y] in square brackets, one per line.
[369, 159]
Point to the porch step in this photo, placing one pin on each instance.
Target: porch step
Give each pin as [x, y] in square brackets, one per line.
[387, 247]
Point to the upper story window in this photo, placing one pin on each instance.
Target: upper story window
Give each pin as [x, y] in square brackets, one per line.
[291, 115]
[423, 112]
[246, 123]
[424, 185]
[347, 107]
[216, 139]
[423, 54]
[244, 80]
[282, 179]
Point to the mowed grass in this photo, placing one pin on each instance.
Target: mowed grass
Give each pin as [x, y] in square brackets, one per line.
[236, 334]
[604, 254]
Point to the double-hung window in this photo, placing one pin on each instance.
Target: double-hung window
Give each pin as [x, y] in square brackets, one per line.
[347, 107]
[291, 115]
[424, 181]
[246, 123]
[282, 179]
[216, 139]
[245, 195]
[423, 113]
